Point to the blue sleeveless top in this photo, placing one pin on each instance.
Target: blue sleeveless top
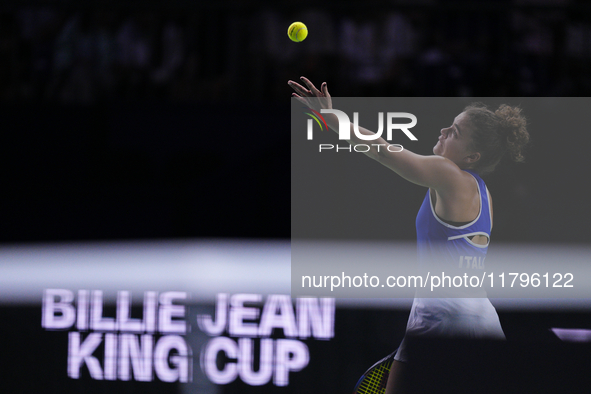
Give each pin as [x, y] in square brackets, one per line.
[449, 246]
[461, 312]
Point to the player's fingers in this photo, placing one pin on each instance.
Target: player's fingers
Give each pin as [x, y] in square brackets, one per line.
[300, 99]
[311, 86]
[299, 89]
[325, 90]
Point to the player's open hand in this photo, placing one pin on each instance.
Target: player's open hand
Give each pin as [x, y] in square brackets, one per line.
[310, 96]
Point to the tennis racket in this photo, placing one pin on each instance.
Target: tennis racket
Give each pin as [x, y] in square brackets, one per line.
[375, 378]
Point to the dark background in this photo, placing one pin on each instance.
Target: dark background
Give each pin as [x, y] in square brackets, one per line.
[153, 119]
[126, 120]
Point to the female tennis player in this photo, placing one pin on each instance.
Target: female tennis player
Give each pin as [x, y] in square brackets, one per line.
[455, 219]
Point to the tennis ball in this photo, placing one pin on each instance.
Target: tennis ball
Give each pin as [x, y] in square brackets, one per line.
[297, 32]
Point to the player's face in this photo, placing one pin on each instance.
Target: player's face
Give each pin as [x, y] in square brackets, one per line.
[455, 141]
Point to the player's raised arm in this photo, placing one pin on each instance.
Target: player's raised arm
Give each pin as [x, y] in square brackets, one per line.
[432, 171]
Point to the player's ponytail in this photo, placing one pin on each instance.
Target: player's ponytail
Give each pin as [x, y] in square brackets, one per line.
[496, 133]
[512, 129]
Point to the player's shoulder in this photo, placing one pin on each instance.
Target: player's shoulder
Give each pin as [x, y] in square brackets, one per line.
[453, 179]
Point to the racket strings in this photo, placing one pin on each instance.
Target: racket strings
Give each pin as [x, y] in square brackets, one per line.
[375, 380]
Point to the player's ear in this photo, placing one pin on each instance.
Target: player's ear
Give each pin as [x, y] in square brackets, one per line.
[473, 158]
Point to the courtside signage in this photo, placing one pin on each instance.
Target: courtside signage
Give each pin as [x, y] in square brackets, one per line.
[242, 319]
[130, 348]
[243, 328]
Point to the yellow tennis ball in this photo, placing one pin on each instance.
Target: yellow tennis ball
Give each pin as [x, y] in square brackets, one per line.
[297, 32]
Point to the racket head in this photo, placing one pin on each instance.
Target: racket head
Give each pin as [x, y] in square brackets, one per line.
[374, 380]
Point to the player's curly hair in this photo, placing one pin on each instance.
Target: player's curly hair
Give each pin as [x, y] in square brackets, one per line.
[496, 133]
